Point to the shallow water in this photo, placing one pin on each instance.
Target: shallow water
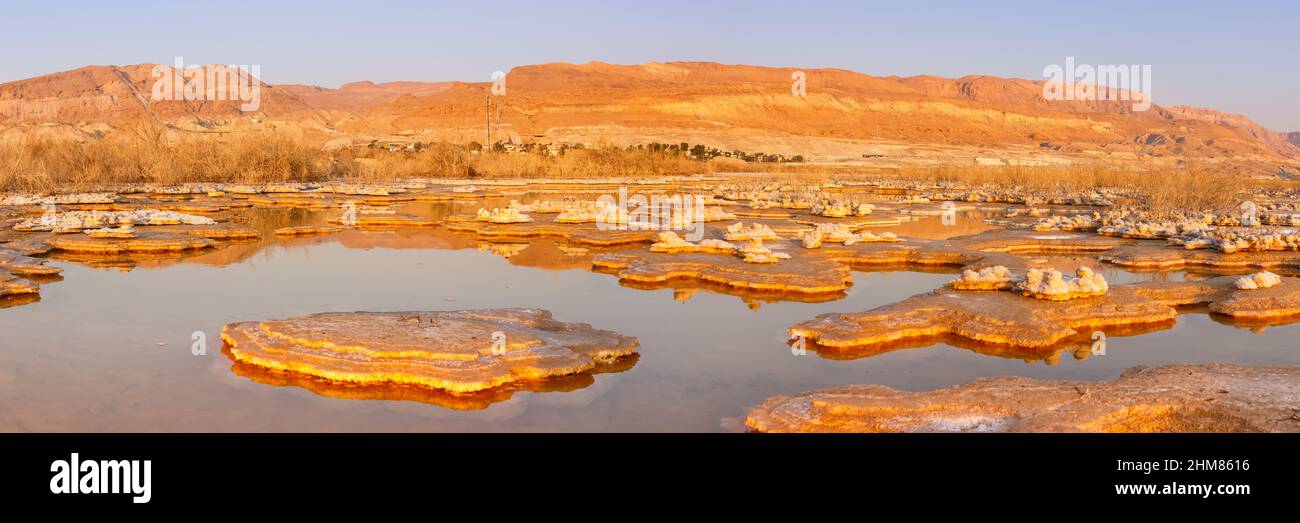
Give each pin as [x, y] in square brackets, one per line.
[87, 356]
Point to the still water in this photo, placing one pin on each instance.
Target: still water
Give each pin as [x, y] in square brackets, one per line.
[109, 349]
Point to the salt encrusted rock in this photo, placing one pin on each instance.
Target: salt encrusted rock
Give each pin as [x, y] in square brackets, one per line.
[840, 209]
[453, 351]
[670, 216]
[1009, 319]
[737, 232]
[26, 247]
[1259, 280]
[755, 252]
[377, 218]
[306, 230]
[21, 265]
[584, 234]
[843, 234]
[997, 277]
[669, 241]
[123, 232]
[75, 221]
[1231, 241]
[361, 190]
[1052, 285]
[142, 243]
[218, 231]
[11, 285]
[794, 277]
[507, 215]
[1140, 227]
[586, 212]
[1176, 398]
[1069, 223]
[59, 199]
[1148, 257]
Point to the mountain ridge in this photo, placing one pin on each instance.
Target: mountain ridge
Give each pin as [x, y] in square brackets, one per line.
[840, 114]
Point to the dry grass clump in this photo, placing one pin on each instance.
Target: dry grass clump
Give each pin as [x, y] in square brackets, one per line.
[148, 154]
[377, 165]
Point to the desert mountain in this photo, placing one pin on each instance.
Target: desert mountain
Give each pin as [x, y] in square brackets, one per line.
[840, 114]
[359, 95]
[115, 95]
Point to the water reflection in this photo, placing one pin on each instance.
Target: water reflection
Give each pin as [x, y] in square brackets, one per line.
[87, 355]
[466, 401]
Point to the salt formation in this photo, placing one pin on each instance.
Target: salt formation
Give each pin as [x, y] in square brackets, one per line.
[1259, 280]
[756, 231]
[1052, 285]
[1138, 225]
[1080, 222]
[599, 211]
[11, 285]
[997, 277]
[453, 351]
[673, 215]
[124, 232]
[75, 221]
[1006, 319]
[306, 230]
[1175, 398]
[840, 209]
[670, 242]
[59, 199]
[25, 266]
[540, 207]
[768, 201]
[756, 252]
[360, 190]
[1231, 241]
[797, 278]
[841, 233]
[507, 215]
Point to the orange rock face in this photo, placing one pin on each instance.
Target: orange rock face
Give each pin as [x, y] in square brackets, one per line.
[455, 351]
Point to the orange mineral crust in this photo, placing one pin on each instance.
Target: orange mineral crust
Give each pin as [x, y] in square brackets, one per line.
[452, 351]
[143, 242]
[802, 275]
[1175, 398]
[1004, 317]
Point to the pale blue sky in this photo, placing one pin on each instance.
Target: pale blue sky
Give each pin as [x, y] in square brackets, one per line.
[1235, 56]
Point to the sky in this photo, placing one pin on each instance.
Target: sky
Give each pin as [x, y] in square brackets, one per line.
[1234, 56]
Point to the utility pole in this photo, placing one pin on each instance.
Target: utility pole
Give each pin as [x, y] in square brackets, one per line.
[489, 122]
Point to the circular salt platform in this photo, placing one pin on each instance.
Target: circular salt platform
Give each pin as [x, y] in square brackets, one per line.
[452, 351]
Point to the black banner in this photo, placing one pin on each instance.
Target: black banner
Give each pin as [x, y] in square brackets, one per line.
[148, 472]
